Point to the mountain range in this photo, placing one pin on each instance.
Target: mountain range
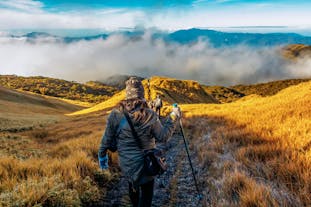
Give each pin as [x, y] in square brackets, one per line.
[215, 38]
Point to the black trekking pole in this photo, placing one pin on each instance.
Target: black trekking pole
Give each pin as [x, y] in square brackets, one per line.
[187, 150]
[149, 92]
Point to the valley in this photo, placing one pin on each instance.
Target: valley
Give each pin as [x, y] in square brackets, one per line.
[258, 143]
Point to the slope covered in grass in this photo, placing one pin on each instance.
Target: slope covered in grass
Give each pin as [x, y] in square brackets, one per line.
[48, 159]
[54, 165]
[233, 93]
[179, 91]
[256, 151]
[19, 110]
[170, 90]
[294, 51]
[223, 94]
[253, 152]
[267, 89]
[92, 91]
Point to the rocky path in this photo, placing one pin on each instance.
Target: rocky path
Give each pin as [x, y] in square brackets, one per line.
[174, 188]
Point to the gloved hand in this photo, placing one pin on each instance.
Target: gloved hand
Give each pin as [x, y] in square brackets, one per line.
[103, 162]
[176, 112]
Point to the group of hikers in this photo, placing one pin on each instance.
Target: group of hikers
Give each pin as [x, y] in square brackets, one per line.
[132, 129]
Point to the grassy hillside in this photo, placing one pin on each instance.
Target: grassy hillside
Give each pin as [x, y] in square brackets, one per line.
[256, 151]
[233, 93]
[20, 110]
[253, 152]
[267, 89]
[223, 94]
[47, 158]
[294, 51]
[54, 165]
[180, 91]
[170, 90]
[93, 92]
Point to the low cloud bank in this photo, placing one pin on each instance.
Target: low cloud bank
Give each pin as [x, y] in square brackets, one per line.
[99, 59]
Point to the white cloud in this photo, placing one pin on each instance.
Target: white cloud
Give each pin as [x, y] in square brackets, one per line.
[23, 5]
[227, 17]
[98, 59]
[21, 14]
[105, 19]
[223, 1]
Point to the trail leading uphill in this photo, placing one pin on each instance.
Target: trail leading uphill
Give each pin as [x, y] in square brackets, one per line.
[174, 188]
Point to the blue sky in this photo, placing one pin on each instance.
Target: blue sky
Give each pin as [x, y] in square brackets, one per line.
[147, 4]
[111, 15]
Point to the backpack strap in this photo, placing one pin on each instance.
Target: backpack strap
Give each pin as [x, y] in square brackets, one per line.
[134, 133]
[123, 121]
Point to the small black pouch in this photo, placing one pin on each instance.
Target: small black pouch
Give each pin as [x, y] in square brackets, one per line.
[155, 163]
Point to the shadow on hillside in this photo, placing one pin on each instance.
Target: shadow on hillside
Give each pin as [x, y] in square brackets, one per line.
[266, 160]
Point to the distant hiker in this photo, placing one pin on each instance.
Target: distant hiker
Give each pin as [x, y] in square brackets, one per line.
[158, 105]
[151, 104]
[133, 113]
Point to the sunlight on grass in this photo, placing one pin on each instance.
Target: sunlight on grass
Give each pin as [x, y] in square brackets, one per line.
[267, 140]
[170, 90]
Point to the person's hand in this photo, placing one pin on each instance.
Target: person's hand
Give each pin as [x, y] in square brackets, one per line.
[176, 112]
[103, 162]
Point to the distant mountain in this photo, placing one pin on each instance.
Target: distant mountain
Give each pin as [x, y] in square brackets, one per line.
[46, 37]
[218, 39]
[75, 39]
[117, 81]
[190, 36]
[37, 35]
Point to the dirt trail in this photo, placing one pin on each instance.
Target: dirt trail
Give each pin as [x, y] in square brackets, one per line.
[174, 188]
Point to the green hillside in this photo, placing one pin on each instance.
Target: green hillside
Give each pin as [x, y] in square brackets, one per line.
[93, 92]
[97, 92]
[223, 94]
[267, 89]
[233, 93]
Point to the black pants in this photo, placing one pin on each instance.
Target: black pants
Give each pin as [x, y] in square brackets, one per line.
[142, 196]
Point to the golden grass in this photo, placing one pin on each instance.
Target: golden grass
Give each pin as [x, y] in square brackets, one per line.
[285, 116]
[294, 51]
[265, 139]
[22, 111]
[243, 191]
[70, 101]
[63, 168]
[75, 102]
[106, 105]
[24, 181]
[177, 91]
[171, 91]
[258, 152]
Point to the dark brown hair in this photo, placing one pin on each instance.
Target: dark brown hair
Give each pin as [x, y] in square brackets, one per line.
[136, 104]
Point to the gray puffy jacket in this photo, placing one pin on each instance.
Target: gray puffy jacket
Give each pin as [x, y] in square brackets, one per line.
[118, 136]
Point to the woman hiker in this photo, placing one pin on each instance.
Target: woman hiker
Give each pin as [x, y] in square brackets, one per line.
[119, 136]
